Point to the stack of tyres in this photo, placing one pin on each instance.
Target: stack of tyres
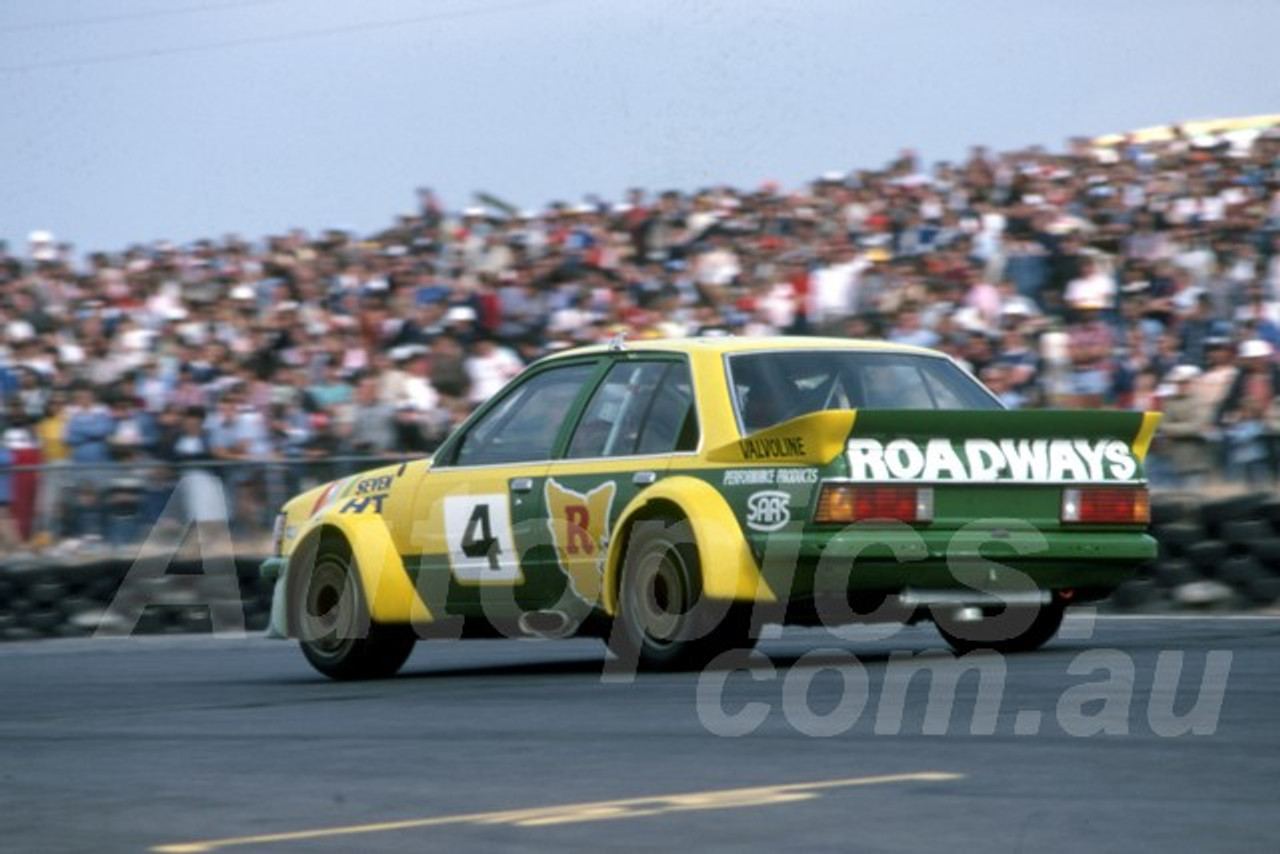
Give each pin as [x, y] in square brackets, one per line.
[65, 599]
[1219, 554]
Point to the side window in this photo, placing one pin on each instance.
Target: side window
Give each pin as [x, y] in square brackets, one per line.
[672, 424]
[523, 426]
[640, 408]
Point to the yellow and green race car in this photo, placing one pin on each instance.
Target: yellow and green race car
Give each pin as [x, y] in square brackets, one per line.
[672, 496]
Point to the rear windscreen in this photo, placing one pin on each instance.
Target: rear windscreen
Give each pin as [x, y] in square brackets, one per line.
[769, 388]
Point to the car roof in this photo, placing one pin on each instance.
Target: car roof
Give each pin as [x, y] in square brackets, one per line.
[725, 344]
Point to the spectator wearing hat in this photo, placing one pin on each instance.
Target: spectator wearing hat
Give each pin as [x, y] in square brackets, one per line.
[419, 417]
[1250, 414]
[416, 388]
[1188, 421]
[879, 286]
[1014, 307]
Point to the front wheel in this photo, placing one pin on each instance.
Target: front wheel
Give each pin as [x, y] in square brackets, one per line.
[664, 622]
[1016, 629]
[334, 629]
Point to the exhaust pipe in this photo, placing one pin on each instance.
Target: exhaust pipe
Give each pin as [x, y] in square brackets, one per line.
[546, 624]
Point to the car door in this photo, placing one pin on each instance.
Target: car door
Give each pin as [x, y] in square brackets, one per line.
[639, 417]
[478, 508]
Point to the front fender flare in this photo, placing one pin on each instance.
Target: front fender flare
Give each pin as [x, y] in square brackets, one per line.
[734, 574]
[387, 587]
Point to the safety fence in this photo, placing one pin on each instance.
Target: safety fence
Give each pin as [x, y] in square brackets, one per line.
[151, 566]
[73, 508]
[65, 507]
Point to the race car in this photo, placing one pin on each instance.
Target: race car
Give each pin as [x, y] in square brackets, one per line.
[673, 496]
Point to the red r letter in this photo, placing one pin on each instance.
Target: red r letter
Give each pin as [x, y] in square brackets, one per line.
[577, 517]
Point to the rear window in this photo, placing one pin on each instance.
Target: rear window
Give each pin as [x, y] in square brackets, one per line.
[769, 388]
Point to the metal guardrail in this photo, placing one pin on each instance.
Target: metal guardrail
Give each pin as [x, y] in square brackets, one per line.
[120, 503]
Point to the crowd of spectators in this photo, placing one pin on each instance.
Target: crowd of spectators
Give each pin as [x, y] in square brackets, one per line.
[1143, 274]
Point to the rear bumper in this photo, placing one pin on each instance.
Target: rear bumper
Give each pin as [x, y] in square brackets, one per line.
[893, 560]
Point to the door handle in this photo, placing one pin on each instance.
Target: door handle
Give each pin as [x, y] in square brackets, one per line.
[644, 478]
[522, 484]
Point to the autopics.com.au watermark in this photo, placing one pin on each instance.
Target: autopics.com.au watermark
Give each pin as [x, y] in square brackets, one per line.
[831, 690]
[828, 692]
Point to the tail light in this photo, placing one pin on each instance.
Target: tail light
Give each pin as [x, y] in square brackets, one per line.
[1106, 506]
[844, 503]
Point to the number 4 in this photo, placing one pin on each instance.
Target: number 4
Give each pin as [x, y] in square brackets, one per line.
[478, 539]
[481, 544]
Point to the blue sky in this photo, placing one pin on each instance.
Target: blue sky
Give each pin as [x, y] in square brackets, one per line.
[134, 120]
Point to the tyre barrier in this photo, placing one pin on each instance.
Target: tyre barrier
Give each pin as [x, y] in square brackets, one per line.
[1217, 555]
[1220, 554]
[41, 599]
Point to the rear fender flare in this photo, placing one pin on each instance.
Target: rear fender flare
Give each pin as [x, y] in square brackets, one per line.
[734, 575]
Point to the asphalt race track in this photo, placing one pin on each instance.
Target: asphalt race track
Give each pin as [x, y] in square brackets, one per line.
[1126, 734]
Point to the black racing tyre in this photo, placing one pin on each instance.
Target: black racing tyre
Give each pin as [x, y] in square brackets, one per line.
[1241, 532]
[1180, 536]
[331, 621]
[1241, 570]
[1208, 556]
[1264, 591]
[1173, 573]
[664, 622]
[47, 591]
[44, 620]
[1135, 594]
[1270, 510]
[1268, 553]
[1168, 509]
[1214, 513]
[1016, 629]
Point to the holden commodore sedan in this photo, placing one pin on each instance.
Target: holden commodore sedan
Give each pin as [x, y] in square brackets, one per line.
[672, 496]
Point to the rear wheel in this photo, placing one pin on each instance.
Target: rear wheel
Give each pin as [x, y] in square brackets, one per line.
[332, 623]
[1016, 629]
[664, 622]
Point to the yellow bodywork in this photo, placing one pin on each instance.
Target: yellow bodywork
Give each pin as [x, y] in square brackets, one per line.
[814, 439]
